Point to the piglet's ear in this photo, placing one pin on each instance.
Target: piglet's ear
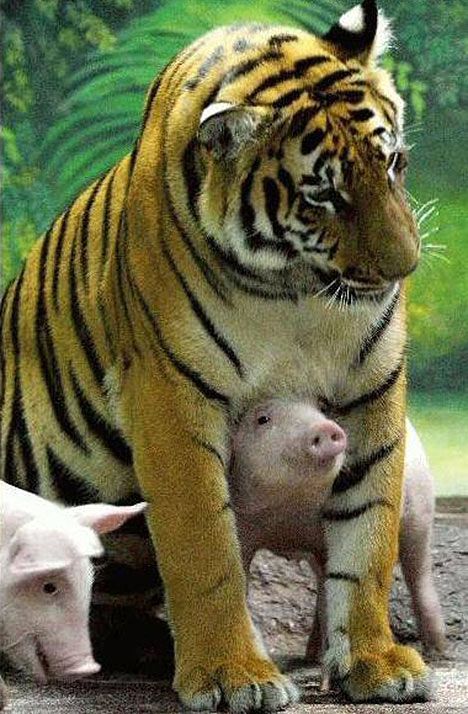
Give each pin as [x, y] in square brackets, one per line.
[25, 562]
[226, 129]
[103, 517]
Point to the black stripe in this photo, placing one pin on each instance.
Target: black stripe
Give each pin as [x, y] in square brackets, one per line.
[189, 373]
[26, 449]
[330, 79]
[122, 275]
[250, 65]
[191, 176]
[212, 450]
[81, 328]
[49, 363]
[300, 119]
[3, 308]
[256, 240]
[272, 205]
[350, 96]
[84, 238]
[348, 515]
[19, 427]
[230, 262]
[378, 329]
[244, 279]
[373, 395]
[70, 488]
[58, 258]
[287, 180]
[361, 114]
[312, 140]
[299, 69]
[210, 276]
[110, 437]
[354, 474]
[14, 317]
[288, 98]
[106, 220]
[8, 461]
[197, 308]
[149, 102]
[385, 100]
[277, 40]
[132, 161]
[342, 576]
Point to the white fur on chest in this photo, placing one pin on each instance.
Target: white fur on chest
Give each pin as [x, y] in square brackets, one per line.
[304, 348]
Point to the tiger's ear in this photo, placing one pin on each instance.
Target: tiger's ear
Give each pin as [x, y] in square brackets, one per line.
[362, 33]
[226, 129]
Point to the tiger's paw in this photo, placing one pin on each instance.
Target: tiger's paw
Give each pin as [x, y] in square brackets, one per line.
[244, 687]
[397, 675]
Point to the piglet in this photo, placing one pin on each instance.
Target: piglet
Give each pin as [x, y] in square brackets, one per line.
[45, 581]
[285, 456]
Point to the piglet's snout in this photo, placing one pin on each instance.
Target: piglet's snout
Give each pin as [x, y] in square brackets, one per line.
[325, 441]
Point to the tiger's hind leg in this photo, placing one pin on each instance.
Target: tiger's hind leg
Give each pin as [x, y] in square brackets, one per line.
[219, 656]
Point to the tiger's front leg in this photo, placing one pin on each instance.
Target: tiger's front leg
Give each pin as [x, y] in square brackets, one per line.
[176, 434]
[361, 522]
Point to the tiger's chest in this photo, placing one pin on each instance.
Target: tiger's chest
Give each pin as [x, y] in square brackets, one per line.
[297, 348]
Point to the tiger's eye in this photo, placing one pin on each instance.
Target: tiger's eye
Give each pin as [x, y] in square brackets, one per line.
[263, 419]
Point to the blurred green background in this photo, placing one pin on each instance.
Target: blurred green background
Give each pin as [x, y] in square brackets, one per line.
[75, 76]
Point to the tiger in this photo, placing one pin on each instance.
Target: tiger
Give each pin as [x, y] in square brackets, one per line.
[255, 242]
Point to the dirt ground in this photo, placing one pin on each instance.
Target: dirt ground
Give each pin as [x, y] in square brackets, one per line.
[282, 594]
[282, 598]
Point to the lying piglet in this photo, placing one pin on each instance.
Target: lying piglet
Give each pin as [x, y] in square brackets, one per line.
[46, 578]
[285, 456]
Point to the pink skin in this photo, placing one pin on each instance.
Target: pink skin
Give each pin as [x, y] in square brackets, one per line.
[46, 581]
[285, 457]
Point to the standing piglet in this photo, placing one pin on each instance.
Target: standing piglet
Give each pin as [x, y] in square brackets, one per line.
[46, 578]
[285, 457]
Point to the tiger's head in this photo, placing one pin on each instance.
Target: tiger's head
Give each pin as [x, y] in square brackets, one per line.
[304, 164]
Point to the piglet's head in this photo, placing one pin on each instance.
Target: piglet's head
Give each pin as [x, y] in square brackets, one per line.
[45, 590]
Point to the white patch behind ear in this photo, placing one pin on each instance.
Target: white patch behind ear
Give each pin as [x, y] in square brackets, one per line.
[213, 109]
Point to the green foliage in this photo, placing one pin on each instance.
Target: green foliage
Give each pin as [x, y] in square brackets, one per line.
[27, 205]
[413, 89]
[432, 37]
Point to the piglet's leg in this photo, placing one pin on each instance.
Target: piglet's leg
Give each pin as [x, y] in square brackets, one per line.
[315, 644]
[416, 563]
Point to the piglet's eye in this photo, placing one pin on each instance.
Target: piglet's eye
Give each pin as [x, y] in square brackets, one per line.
[264, 419]
[49, 588]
